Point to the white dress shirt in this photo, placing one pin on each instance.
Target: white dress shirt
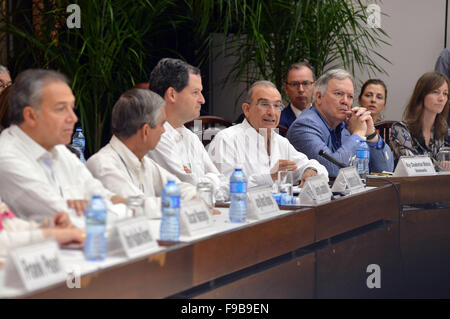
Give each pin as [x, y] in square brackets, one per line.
[36, 183]
[181, 147]
[241, 146]
[119, 169]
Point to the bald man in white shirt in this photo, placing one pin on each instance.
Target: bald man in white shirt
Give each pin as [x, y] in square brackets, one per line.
[180, 151]
[39, 175]
[138, 119]
[256, 147]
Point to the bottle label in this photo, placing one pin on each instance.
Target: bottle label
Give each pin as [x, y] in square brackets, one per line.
[238, 187]
[362, 154]
[170, 202]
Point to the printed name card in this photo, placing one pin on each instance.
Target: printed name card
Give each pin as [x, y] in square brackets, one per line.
[194, 216]
[35, 266]
[414, 166]
[348, 180]
[315, 191]
[135, 236]
[260, 202]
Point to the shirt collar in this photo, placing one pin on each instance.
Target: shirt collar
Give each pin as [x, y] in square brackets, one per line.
[129, 158]
[245, 125]
[35, 150]
[175, 133]
[295, 110]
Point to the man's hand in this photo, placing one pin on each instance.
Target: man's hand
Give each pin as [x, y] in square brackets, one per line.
[78, 204]
[357, 122]
[282, 165]
[309, 172]
[62, 220]
[370, 130]
[118, 200]
[66, 236]
[187, 170]
[444, 166]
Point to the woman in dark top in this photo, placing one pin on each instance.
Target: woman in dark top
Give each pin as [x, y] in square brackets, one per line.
[424, 128]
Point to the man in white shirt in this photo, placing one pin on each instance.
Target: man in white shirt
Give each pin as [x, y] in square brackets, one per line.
[254, 145]
[137, 124]
[180, 151]
[39, 175]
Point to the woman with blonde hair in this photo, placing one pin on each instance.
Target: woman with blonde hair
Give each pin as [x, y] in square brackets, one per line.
[424, 128]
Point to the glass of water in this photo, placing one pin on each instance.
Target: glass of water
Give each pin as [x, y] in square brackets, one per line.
[205, 191]
[443, 158]
[285, 182]
[135, 204]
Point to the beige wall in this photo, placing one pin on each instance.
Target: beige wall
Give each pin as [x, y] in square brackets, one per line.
[416, 28]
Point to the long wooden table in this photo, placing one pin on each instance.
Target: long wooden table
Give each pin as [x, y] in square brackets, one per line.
[319, 252]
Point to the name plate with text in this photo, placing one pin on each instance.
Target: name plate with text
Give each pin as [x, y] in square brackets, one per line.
[135, 236]
[36, 265]
[315, 191]
[348, 180]
[194, 216]
[414, 166]
[261, 202]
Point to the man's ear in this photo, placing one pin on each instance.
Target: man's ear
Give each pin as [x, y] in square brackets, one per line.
[170, 95]
[30, 115]
[245, 108]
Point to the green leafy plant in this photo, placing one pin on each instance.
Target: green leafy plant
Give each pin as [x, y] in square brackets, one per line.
[102, 58]
[268, 36]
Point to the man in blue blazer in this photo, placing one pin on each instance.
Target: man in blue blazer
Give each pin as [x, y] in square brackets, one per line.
[333, 126]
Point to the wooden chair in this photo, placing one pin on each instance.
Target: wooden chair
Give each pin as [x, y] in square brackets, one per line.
[143, 85]
[207, 126]
[384, 129]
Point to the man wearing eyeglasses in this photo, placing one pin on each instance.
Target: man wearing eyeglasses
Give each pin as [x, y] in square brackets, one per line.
[299, 87]
[256, 147]
[333, 126]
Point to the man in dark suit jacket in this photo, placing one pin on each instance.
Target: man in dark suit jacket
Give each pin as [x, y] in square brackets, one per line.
[299, 86]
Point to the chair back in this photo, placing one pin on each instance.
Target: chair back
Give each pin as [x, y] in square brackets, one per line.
[207, 126]
[384, 129]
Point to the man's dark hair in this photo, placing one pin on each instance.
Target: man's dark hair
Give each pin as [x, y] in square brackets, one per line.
[171, 73]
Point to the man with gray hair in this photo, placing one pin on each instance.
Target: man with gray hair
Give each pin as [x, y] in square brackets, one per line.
[256, 147]
[39, 175]
[180, 150]
[138, 119]
[333, 126]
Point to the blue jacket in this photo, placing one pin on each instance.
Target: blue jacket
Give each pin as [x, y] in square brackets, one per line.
[287, 116]
[310, 133]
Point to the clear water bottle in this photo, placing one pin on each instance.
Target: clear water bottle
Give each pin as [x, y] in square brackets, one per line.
[95, 245]
[362, 160]
[170, 211]
[238, 196]
[79, 142]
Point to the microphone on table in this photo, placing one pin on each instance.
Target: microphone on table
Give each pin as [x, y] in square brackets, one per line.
[331, 159]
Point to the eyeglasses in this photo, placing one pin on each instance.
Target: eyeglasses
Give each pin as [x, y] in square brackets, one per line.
[4, 85]
[265, 105]
[306, 84]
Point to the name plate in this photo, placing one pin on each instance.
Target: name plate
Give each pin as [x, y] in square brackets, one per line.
[260, 202]
[315, 191]
[37, 265]
[194, 216]
[414, 166]
[135, 236]
[348, 180]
